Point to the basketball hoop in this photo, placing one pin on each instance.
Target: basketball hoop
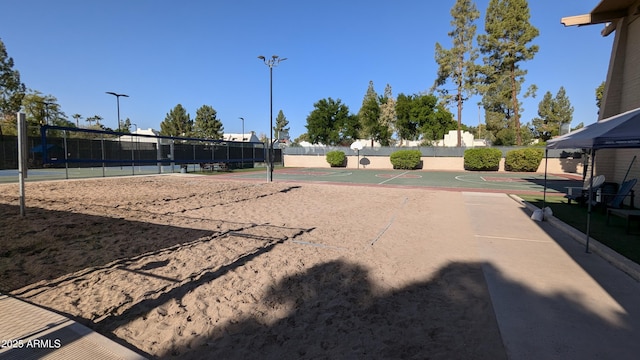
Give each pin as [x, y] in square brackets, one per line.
[357, 146]
[283, 135]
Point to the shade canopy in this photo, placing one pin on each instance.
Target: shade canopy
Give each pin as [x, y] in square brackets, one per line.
[619, 131]
[616, 132]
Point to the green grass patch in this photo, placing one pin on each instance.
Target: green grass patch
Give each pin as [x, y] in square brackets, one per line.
[613, 235]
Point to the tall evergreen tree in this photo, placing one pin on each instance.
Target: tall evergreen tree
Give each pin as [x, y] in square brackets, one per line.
[282, 124]
[545, 125]
[177, 122]
[495, 100]
[564, 110]
[388, 111]
[458, 63]
[207, 126]
[126, 126]
[505, 46]
[369, 115]
[12, 91]
[552, 113]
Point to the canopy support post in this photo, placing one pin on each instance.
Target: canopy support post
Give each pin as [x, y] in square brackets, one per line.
[544, 193]
[593, 158]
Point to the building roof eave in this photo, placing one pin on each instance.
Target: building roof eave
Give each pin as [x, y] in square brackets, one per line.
[607, 11]
[593, 18]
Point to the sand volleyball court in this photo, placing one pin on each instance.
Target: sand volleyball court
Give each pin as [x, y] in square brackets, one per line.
[195, 267]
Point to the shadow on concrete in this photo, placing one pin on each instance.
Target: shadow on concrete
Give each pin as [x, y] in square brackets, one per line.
[612, 234]
[609, 334]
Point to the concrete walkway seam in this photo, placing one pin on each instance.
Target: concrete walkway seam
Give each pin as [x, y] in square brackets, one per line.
[625, 265]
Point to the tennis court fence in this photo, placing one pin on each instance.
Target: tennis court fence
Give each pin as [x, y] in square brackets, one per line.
[75, 147]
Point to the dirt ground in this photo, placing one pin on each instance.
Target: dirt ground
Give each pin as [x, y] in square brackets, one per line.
[190, 267]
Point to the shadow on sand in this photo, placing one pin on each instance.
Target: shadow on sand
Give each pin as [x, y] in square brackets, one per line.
[339, 313]
[47, 244]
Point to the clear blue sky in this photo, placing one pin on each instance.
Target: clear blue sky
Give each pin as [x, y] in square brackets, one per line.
[163, 53]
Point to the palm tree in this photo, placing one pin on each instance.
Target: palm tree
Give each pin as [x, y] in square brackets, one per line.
[77, 117]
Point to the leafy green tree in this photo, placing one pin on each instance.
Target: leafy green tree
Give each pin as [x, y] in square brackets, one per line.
[406, 126]
[458, 63]
[12, 91]
[527, 134]
[43, 110]
[177, 122]
[505, 46]
[303, 137]
[599, 95]
[207, 126]
[282, 124]
[388, 110]
[422, 117]
[331, 124]
[434, 118]
[552, 113]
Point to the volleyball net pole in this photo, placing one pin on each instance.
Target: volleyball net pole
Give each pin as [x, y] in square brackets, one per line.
[22, 157]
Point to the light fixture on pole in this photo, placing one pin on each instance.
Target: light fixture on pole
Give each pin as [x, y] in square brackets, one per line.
[274, 61]
[45, 112]
[242, 164]
[118, 102]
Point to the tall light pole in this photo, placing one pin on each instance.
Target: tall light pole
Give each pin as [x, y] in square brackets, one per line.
[242, 164]
[45, 111]
[118, 102]
[271, 63]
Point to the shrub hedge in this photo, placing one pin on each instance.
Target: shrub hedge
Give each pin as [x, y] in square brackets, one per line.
[482, 159]
[336, 158]
[527, 160]
[405, 159]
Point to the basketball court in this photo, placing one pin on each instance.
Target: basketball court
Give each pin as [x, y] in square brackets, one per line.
[519, 183]
[504, 182]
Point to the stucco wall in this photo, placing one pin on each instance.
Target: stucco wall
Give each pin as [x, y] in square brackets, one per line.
[622, 93]
[554, 166]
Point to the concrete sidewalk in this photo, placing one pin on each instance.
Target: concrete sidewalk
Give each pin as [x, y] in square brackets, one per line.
[552, 299]
[31, 332]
